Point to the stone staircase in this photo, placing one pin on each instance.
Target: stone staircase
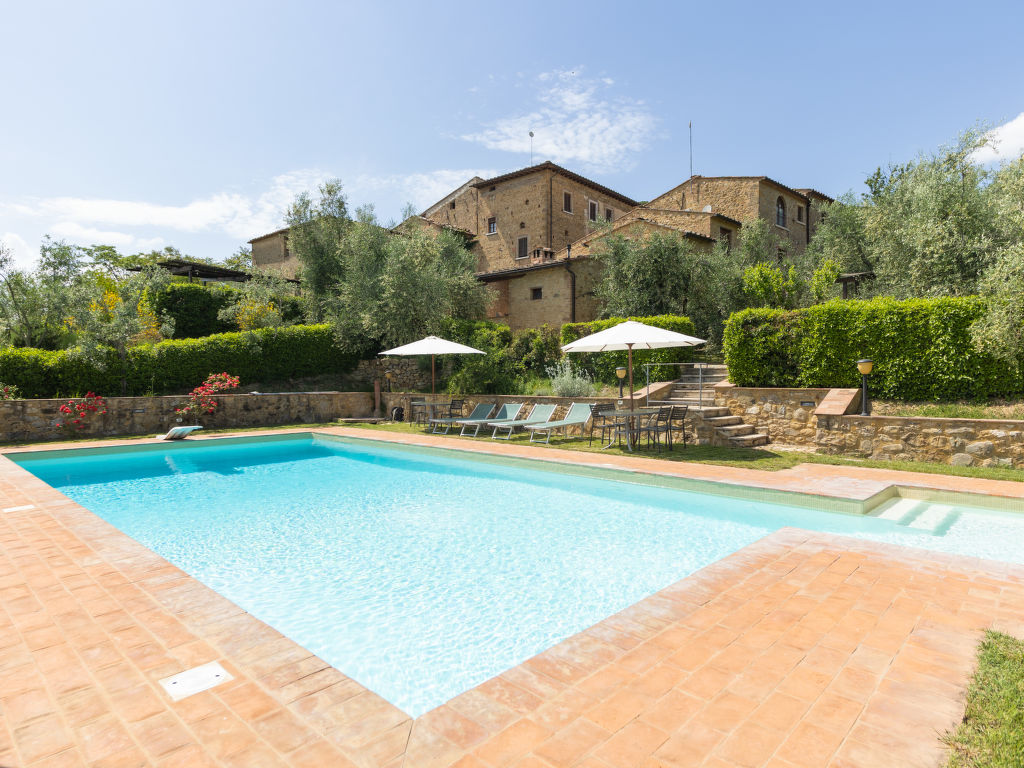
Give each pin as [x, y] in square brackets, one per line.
[695, 388]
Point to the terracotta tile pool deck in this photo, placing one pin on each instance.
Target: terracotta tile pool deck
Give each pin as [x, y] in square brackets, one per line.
[803, 649]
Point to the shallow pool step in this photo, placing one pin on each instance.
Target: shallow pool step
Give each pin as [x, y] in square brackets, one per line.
[920, 515]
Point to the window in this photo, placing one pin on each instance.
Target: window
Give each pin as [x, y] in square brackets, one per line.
[452, 205]
[682, 201]
[607, 214]
[780, 212]
[567, 202]
[726, 235]
[800, 213]
[592, 211]
[536, 294]
[523, 248]
[492, 225]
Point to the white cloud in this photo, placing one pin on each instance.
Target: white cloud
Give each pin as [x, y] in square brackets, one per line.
[22, 253]
[1004, 143]
[76, 233]
[579, 120]
[420, 189]
[234, 214]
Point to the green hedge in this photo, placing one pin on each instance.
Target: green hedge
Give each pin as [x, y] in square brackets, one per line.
[178, 365]
[194, 308]
[601, 366]
[511, 358]
[922, 349]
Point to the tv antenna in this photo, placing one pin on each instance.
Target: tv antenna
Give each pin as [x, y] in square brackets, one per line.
[531, 147]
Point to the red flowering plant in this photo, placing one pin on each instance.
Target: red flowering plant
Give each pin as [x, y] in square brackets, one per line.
[77, 412]
[9, 391]
[202, 400]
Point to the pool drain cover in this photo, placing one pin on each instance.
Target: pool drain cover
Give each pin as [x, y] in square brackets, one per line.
[195, 680]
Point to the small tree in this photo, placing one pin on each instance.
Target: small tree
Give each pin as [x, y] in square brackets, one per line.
[823, 281]
[257, 304]
[766, 285]
[315, 233]
[118, 319]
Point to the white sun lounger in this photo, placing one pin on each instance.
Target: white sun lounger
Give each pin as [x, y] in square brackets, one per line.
[180, 433]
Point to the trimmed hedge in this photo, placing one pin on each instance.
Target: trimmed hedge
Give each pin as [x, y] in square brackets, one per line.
[922, 349]
[601, 366]
[194, 308]
[178, 365]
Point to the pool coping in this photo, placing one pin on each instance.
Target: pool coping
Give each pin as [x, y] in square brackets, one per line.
[174, 622]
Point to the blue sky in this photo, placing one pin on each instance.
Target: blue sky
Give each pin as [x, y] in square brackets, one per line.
[194, 124]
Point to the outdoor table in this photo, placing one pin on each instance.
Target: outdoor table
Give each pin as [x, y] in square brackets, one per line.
[428, 408]
[626, 420]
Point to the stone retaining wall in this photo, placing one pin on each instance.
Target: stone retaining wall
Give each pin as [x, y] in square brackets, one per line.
[960, 442]
[785, 415]
[35, 420]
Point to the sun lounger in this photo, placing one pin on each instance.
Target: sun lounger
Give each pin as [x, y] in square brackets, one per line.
[179, 433]
[507, 412]
[480, 411]
[538, 415]
[578, 415]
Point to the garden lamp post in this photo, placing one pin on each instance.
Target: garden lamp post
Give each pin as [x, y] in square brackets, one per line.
[865, 367]
[389, 375]
[621, 373]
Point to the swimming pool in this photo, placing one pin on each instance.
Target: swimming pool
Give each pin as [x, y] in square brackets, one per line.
[422, 573]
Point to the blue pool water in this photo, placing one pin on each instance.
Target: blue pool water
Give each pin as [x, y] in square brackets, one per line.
[423, 574]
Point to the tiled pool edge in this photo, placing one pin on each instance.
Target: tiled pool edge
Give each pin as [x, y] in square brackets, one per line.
[147, 581]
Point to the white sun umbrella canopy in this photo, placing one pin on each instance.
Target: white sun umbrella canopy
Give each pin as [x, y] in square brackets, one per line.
[630, 335]
[432, 345]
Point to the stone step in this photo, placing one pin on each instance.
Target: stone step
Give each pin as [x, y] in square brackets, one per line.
[750, 441]
[694, 377]
[723, 421]
[712, 412]
[737, 430]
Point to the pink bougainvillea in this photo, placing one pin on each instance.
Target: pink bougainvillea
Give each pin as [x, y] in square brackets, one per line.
[76, 413]
[202, 399]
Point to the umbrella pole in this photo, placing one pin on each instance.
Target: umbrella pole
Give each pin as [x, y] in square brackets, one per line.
[433, 388]
[630, 354]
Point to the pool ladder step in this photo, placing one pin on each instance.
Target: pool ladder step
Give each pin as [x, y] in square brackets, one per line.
[935, 519]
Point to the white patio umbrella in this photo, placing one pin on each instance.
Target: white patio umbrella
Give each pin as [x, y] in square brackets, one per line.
[432, 345]
[630, 335]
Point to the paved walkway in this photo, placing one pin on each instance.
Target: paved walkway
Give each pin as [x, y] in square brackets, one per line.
[803, 649]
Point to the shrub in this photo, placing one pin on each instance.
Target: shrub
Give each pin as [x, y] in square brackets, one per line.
[566, 382]
[76, 413]
[201, 400]
[9, 392]
[922, 349]
[268, 354]
[194, 308]
[601, 366]
[510, 360]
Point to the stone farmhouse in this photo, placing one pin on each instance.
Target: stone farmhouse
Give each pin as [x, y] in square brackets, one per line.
[534, 231]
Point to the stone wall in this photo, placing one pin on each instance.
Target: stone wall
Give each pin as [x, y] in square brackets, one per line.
[407, 371]
[828, 421]
[960, 442]
[787, 416]
[35, 420]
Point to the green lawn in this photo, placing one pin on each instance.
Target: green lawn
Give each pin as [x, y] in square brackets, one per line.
[751, 458]
[992, 732]
[765, 459]
[1003, 409]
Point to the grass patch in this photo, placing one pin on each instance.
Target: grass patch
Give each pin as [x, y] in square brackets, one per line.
[992, 732]
[750, 458]
[1002, 409]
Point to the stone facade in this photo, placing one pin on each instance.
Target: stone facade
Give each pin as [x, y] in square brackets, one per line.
[527, 204]
[270, 254]
[747, 197]
[35, 420]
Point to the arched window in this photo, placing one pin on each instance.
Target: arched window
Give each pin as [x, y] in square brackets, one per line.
[780, 212]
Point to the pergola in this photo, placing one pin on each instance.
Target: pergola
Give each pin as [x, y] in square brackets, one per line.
[195, 270]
